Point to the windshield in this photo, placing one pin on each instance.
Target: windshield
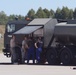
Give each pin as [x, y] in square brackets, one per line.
[10, 27]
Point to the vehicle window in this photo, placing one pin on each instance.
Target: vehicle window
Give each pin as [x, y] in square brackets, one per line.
[10, 27]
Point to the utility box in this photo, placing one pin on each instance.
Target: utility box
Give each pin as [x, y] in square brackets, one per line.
[43, 27]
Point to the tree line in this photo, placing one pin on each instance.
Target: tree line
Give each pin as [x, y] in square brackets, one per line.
[64, 13]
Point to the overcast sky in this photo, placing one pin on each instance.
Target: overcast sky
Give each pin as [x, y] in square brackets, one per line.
[23, 6]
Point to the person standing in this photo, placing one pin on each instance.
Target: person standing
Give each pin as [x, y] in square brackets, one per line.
[31, 50]
[12, 49]
[24, 49]
[38, 46]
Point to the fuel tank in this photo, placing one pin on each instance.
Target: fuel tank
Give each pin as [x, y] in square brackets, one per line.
[65, 32]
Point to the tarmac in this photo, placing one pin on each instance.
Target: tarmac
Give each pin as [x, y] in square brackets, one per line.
[6, 68]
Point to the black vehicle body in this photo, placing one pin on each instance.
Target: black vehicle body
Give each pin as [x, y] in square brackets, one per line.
[64, 48]
[11, 27]
[59, 39]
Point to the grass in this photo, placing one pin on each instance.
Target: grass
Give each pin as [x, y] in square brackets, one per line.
[2, 30]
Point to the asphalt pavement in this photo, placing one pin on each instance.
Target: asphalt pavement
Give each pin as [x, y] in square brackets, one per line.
[6, 68]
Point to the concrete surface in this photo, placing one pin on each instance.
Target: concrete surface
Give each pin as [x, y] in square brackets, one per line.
[8, 69]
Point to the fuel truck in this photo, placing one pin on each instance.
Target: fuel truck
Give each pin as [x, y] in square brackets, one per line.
[59, 39]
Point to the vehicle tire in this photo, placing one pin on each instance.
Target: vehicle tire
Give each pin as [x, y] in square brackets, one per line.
[66, 56]
[52, 56]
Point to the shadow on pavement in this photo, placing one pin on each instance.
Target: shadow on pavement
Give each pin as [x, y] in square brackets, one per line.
[34, 64]
[5, 63]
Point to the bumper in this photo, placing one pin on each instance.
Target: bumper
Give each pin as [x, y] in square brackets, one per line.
[6, 52]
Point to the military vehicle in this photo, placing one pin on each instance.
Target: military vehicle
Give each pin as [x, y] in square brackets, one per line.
[59, 39]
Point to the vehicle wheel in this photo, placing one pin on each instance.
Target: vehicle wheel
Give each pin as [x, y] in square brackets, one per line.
[66, 57]
[52, 56]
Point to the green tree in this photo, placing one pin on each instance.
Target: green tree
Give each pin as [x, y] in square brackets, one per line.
[31, 14]
[70, 14]
[58, 13]
[3, 18]
[74, 14]
[47, 12]
[40, 13]
[20, 17]
[65, 13]
[52, 13]
[11, 17]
